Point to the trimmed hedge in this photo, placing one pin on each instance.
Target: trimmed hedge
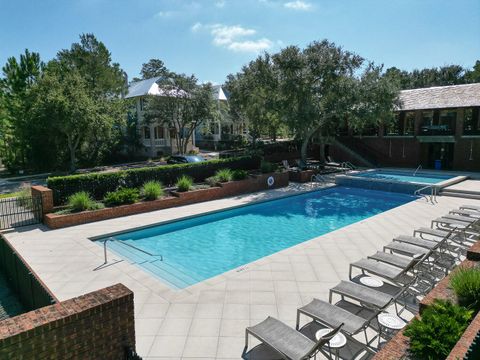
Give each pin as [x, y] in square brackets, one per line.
[98, 184]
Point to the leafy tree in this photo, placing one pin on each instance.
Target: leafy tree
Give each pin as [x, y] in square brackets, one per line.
[319, 88]
[254, 97]
[183, 107]
[473, 75]
[105, 82]
[154, 68]
[18, 77]
[61, 98]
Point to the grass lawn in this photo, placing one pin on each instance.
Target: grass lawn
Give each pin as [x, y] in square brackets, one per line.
[9, 195]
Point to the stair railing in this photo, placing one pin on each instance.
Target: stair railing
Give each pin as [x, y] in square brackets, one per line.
[418, 168]
[433, 193]
[125, 244]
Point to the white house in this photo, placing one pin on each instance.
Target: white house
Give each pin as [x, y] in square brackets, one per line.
[157, 137]
[223, 127]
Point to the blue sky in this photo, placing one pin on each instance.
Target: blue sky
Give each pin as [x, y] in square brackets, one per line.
[212, 38]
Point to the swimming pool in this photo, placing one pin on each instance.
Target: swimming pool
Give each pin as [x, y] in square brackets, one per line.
[201, 247]
[420, 177]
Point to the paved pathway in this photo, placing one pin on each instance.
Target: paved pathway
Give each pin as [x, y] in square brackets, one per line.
[208, 320]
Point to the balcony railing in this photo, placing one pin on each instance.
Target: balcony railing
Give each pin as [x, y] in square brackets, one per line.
[156, 142]
[437, 130]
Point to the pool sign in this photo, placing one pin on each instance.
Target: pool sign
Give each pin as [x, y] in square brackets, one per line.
[270, 181]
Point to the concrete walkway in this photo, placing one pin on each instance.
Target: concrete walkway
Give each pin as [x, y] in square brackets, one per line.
[208, 320]
[472, 186]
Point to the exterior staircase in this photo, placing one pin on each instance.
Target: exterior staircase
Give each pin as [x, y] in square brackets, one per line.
[361, 157]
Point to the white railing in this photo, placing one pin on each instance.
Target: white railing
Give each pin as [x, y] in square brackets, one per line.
[156, 142]
[418, 168]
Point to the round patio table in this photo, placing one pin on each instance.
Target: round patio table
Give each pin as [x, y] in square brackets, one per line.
[335, 343]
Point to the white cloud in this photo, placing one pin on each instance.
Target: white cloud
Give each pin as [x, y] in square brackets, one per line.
[233, 37]
[298, 5]
[224, 35]
[250, 45]
[164, 14]
[220, 3]
[196, 27]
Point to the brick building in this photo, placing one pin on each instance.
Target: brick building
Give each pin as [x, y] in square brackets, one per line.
[433, 126]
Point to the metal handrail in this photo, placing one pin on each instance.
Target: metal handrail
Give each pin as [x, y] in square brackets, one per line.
[433, 193]
[123, 243]
[418, 168]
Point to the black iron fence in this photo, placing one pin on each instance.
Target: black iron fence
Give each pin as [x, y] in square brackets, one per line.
[20, 211]
[24, 283]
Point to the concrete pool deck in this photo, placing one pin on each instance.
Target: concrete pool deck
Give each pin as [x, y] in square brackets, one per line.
[208, 320]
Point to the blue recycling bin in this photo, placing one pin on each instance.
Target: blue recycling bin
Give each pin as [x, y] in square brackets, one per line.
[438, 164]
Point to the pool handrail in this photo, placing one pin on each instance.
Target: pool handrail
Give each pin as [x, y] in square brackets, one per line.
[433, 194]
[124, 243]
[418, 168]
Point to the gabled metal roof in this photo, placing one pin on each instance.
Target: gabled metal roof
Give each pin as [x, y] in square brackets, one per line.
[151, 87]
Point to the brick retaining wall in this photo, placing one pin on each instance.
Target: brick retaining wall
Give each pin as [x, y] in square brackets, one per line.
[98, 325]
[253, 184]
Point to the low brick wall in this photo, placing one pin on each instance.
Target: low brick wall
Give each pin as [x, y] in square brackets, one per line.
[398, 346]
[301, 176]
[98, 325]
[47, 197]
[252, 184]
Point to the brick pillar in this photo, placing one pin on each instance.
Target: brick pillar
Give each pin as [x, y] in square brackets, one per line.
[47, 197]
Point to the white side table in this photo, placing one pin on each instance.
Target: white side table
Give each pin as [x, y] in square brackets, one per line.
[335, 343]
[389, 325]
[371, 281]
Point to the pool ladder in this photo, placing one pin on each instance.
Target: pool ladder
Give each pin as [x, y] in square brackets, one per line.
[125, 244]
[433, 193]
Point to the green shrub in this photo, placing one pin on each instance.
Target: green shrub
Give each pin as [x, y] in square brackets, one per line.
[98, 184]
[152, 190]
[223, 175]
[81, 201]
[466, 284]
[239, 174]
[121, 196]
[435, 335]
[267, 167]
[184, 183]
[24, 196]
[212, 181]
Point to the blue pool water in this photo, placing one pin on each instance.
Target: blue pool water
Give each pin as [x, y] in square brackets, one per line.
[198, 248]
[421, 178]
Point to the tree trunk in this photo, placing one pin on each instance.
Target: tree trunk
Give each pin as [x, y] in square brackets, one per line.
[304, 148]
[72, 149]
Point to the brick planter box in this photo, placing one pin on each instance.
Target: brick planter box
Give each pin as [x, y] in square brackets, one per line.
[397, 347]
[56, 221]
[253, 184]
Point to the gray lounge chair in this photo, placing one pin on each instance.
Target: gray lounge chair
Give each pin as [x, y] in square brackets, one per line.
[471, 207]
[287, 342]
[466, 212]
[397, 275]
[331, 315]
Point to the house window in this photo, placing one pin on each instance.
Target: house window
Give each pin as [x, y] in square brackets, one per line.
[158, 132]
[142, 104]
[447, 120]
[471, 121]
[146, 132]
[409, 125]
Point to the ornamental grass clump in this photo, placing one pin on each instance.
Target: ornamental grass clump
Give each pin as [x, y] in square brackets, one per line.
[184, 183]
[152, 190]
[81, 201]
[121, 196]
[465, 282]
[239, 174]
[441, 326]
[267, 167]
[223, 175]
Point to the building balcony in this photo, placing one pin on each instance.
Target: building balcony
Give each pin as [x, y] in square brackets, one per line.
[436, 130]
[156, 142]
